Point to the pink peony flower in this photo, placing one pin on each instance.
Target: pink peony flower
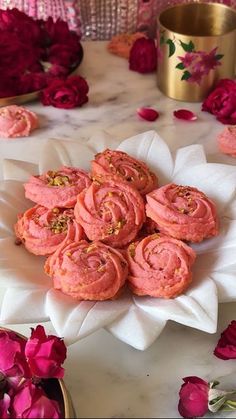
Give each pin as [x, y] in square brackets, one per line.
[143, 56]
[13, 364]
[193, 397]
[221, 102]
[226, 347]
[31, 402]
[45, 354]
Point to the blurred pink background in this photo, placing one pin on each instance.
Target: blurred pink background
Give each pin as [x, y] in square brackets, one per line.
[100, 19]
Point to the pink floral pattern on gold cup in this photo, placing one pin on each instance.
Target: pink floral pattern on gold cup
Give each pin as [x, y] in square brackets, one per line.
[118, 163]
[227, 141]
[16, 121]
[87, 271]
[183, 212]
[110, 211]
[42, 230]
[159, 266]
[57, 188]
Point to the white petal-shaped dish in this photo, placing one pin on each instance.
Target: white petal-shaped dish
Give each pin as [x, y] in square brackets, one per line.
[27, 294]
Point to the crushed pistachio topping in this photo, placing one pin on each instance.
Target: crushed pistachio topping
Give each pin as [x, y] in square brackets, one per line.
[110, 230]
[132, 247]
[54, 179]
[55, 210]
[91, 248]
[60, 224]
[69, 254]
[110, 194]
[101, 268]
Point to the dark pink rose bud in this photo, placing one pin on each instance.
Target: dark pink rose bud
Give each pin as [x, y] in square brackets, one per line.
[45, 354]
[13, 366]
[143, 56]
[226, 347]
[221, 102]
[31, 402]
[193, 397]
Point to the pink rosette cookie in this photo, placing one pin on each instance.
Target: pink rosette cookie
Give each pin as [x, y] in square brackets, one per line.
[159, 266]
[16, 121]
[118, 163]
[42, 230]
[183, 212]
[57, 188]
[227, 141]
[110, 211]
[87, 271]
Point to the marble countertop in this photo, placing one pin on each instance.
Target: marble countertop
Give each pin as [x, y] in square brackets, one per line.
[107, 378]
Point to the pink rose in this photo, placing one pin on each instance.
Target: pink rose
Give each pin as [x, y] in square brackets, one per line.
[16, 121]
[66, 94]
[45, 354]
[193, 397]
[31, 402]
[143, 56]
[221, 102]
[31, 82]
[14, 366]
[226, 347]
[65, 55]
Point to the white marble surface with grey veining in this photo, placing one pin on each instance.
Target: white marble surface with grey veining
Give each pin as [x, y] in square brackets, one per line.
[107, 378]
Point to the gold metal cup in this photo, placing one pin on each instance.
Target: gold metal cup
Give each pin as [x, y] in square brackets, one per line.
[196, 48]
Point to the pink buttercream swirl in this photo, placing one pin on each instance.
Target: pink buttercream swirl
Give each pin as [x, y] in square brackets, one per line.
[16, 121]
[118, 163]
[183, 212]
[42, 230]
[110, 211]
[159, 266]
[227, 140]
[87, 271]
[57, 188]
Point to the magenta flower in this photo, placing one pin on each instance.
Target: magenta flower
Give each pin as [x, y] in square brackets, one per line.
[226, 347]
[209, 60]
[196, 76]
[45, 354]
[197, 397]
[193, 397]
[188, 59]
[31, 402]
[13, 364]
[221, 102]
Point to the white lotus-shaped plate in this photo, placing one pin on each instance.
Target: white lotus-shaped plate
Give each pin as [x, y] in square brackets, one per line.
[27, 295]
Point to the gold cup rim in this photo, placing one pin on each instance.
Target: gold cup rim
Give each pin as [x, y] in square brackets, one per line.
[68, 407]
[196, 4]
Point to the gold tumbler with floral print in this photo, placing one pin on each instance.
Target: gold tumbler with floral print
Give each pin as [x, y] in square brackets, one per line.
[196, 48]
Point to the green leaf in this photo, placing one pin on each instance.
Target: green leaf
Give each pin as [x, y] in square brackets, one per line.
[186, 75]
[180, 66]
[187, 47]
[219, 56]
[171, 47]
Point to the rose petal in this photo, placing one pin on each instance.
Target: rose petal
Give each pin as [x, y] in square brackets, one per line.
[185, 114]
[148, 113]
